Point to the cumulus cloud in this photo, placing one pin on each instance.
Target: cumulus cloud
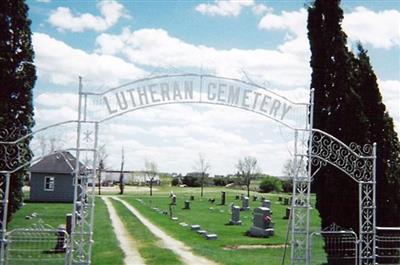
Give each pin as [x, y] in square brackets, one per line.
[156, 48]
[64, 19]
[378, 28]
[261, 9]
[174, 135]
[66, 64]
[390, 90]
[43, 1]
[225, 8]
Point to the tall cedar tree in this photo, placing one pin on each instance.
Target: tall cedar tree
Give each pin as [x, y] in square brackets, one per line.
[388, 146]
[337, 109]
[17, 79]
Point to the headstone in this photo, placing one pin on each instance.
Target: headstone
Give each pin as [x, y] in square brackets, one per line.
[174, 218]
[191, 197]
[266, 204]
[173, 199]
[245, 204]
[223, 197]
[287, 213]
[262, 223]
[61, 242]
[235, 217]
[195, 227]
[211, 236]
[187, 205]
[201, 232]
[255, 197]
[285, 201]
[183, 224]
[237, 197]
[68, 223]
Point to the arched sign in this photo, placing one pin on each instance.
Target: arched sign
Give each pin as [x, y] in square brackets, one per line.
[192, 88]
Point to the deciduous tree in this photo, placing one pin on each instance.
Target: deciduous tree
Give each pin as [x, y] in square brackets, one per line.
[247, 168]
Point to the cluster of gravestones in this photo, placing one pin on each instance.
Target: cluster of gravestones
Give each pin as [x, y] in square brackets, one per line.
[262, 221]
[286, 201]
[195, 227]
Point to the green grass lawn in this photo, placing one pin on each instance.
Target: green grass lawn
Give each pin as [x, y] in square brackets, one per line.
[105, 249]
[213, 217]
[148, 245]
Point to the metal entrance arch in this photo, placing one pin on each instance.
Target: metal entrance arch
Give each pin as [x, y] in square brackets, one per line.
[95, 108]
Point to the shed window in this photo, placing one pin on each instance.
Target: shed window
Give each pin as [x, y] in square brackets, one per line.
[48, 183]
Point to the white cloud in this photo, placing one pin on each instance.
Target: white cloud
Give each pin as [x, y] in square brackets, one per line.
[156, 48]
[390, 90]
[295, 24]
[225, 8]
[174, 135]
[66, 64]
[43, 1]
[261, 9]
[63, 19]
[381, 29]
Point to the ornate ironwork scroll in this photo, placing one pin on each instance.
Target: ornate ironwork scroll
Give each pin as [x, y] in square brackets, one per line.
[358, 162]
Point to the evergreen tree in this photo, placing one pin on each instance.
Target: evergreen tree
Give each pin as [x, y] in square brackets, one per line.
[337, 110]
[388, 146]
[17, 78]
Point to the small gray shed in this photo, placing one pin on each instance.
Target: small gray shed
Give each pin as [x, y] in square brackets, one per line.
[51, 178]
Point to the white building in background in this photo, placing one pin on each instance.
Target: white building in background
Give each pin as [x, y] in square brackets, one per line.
[130, 177]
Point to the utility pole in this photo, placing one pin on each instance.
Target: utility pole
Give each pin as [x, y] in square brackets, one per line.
[121, 175]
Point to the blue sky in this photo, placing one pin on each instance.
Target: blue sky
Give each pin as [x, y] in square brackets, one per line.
[112, 42]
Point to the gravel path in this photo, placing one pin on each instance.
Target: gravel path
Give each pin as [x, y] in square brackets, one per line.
[127, 244]
[178, 247]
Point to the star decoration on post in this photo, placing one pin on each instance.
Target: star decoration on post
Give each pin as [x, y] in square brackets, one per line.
[87, 135]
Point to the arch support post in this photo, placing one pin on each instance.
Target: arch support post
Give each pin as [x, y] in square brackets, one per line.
[367, 215]
[84, 186]
[300, 202]
[4, 193]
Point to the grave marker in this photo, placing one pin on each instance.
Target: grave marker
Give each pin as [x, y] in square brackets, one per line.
[266, 204]
[187, 205]
[262, 223]
[223, 197]
[245, 203]
[287, 213]
[235, 216]
[68, 223]
[285, 201]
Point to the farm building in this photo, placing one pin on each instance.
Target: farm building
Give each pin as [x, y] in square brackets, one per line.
[130, 177]
[51, 179]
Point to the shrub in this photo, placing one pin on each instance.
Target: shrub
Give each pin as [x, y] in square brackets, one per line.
[174, 181]
[191, 181]
[287, 185]
[270, 183]
[222, 181]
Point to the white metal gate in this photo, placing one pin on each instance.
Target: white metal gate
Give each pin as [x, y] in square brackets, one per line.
[36, 247]
[334, 245]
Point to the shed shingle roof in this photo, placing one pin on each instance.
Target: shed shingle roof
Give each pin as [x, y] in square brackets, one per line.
[59, 162]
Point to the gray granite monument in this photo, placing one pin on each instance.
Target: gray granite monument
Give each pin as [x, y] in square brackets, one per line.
[262, 223]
